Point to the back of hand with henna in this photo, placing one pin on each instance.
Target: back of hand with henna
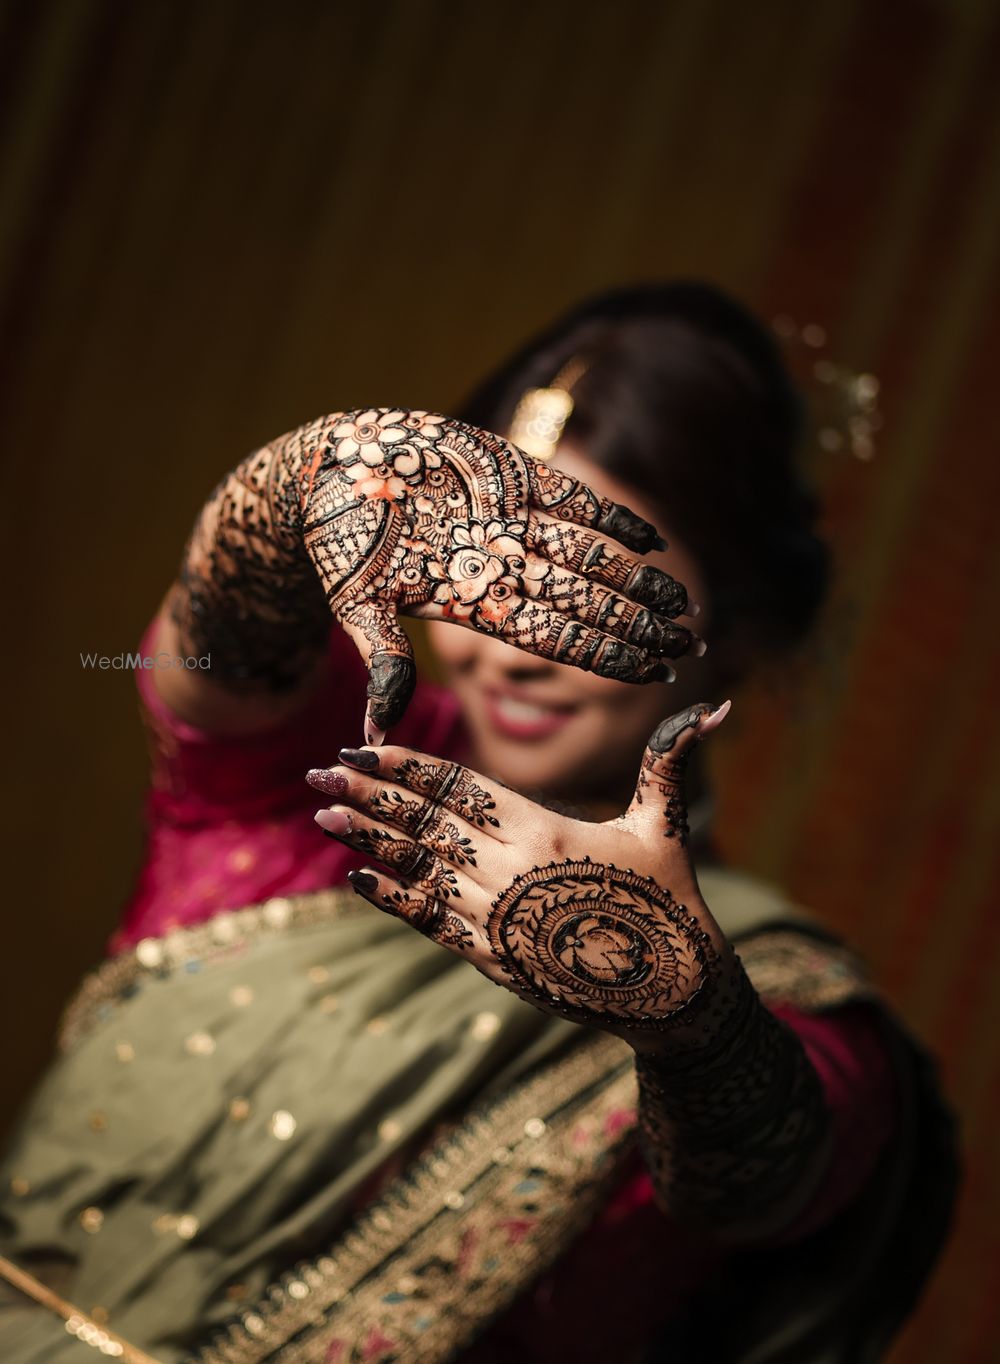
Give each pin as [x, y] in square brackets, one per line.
[368, 514]
[605, 925]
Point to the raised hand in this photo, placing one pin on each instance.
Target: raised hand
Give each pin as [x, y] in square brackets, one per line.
[602, 923]
[605, 925]
[369, 514]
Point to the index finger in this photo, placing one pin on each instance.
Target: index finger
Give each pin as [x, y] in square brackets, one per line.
[570, 500]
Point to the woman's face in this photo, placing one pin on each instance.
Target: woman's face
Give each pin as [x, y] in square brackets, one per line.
[538, 725]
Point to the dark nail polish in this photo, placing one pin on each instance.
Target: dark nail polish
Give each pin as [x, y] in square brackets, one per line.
[391, 680]
[664, 673]
[363, 881]
[365, 759]
[329, 782]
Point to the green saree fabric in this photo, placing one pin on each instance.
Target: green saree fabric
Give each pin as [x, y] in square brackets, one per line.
[226, 1097]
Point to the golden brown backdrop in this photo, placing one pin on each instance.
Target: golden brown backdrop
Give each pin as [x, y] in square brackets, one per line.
[221, 217]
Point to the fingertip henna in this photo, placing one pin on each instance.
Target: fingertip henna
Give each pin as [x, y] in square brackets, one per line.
[628, 529]
[666, 734]
[652, 587]
[391, 682]
[619, 661]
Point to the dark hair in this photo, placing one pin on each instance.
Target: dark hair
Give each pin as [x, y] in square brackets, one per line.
[685, 395]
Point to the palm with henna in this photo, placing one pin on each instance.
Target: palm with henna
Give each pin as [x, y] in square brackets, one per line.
[366, 515]
[603, 924]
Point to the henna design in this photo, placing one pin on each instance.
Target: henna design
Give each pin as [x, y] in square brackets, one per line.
[579, 504]
[729, 1128]
[450, 785]
[411, 860]
[425, 820]
[665, 774]
[601, 945]
[596, 605]
[394, 511]
[570, 547]
[429, 917]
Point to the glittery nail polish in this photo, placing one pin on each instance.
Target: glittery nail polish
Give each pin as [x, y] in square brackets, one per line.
[329, 782]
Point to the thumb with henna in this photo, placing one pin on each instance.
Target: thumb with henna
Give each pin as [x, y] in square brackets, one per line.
[660, 802]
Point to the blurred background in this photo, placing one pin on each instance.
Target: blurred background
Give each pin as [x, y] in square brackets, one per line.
[220, 218]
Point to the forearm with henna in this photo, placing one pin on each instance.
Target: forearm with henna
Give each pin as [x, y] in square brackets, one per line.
[247, 593]
[732, 1119]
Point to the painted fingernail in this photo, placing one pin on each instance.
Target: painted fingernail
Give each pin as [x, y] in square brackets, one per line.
[374, 737]
[713, 718]
[664, 673]
[363, 881]
[698, 647]
[334, 821]
[365, 759]
[693, 609]
[328, 781]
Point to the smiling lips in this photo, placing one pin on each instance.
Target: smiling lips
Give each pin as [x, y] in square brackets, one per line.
[518, 718]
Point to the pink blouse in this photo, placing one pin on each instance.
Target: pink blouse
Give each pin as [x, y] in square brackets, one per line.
[230, 823]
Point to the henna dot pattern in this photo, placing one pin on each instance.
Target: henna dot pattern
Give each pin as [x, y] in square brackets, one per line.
[600, 944]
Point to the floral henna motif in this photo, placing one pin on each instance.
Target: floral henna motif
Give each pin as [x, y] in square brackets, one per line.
[450, 785]
[394, 511]
[425, 820]
[601, 945]
[429, 917]
[410, 860]
[730, 1128]
[486, 573]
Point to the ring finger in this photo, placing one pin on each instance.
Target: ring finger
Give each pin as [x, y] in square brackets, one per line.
[417, 863]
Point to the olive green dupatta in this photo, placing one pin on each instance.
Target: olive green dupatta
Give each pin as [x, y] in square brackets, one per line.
[189, 1172]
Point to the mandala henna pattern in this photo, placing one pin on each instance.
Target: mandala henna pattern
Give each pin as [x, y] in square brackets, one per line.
[601, 945]
[367, 514]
